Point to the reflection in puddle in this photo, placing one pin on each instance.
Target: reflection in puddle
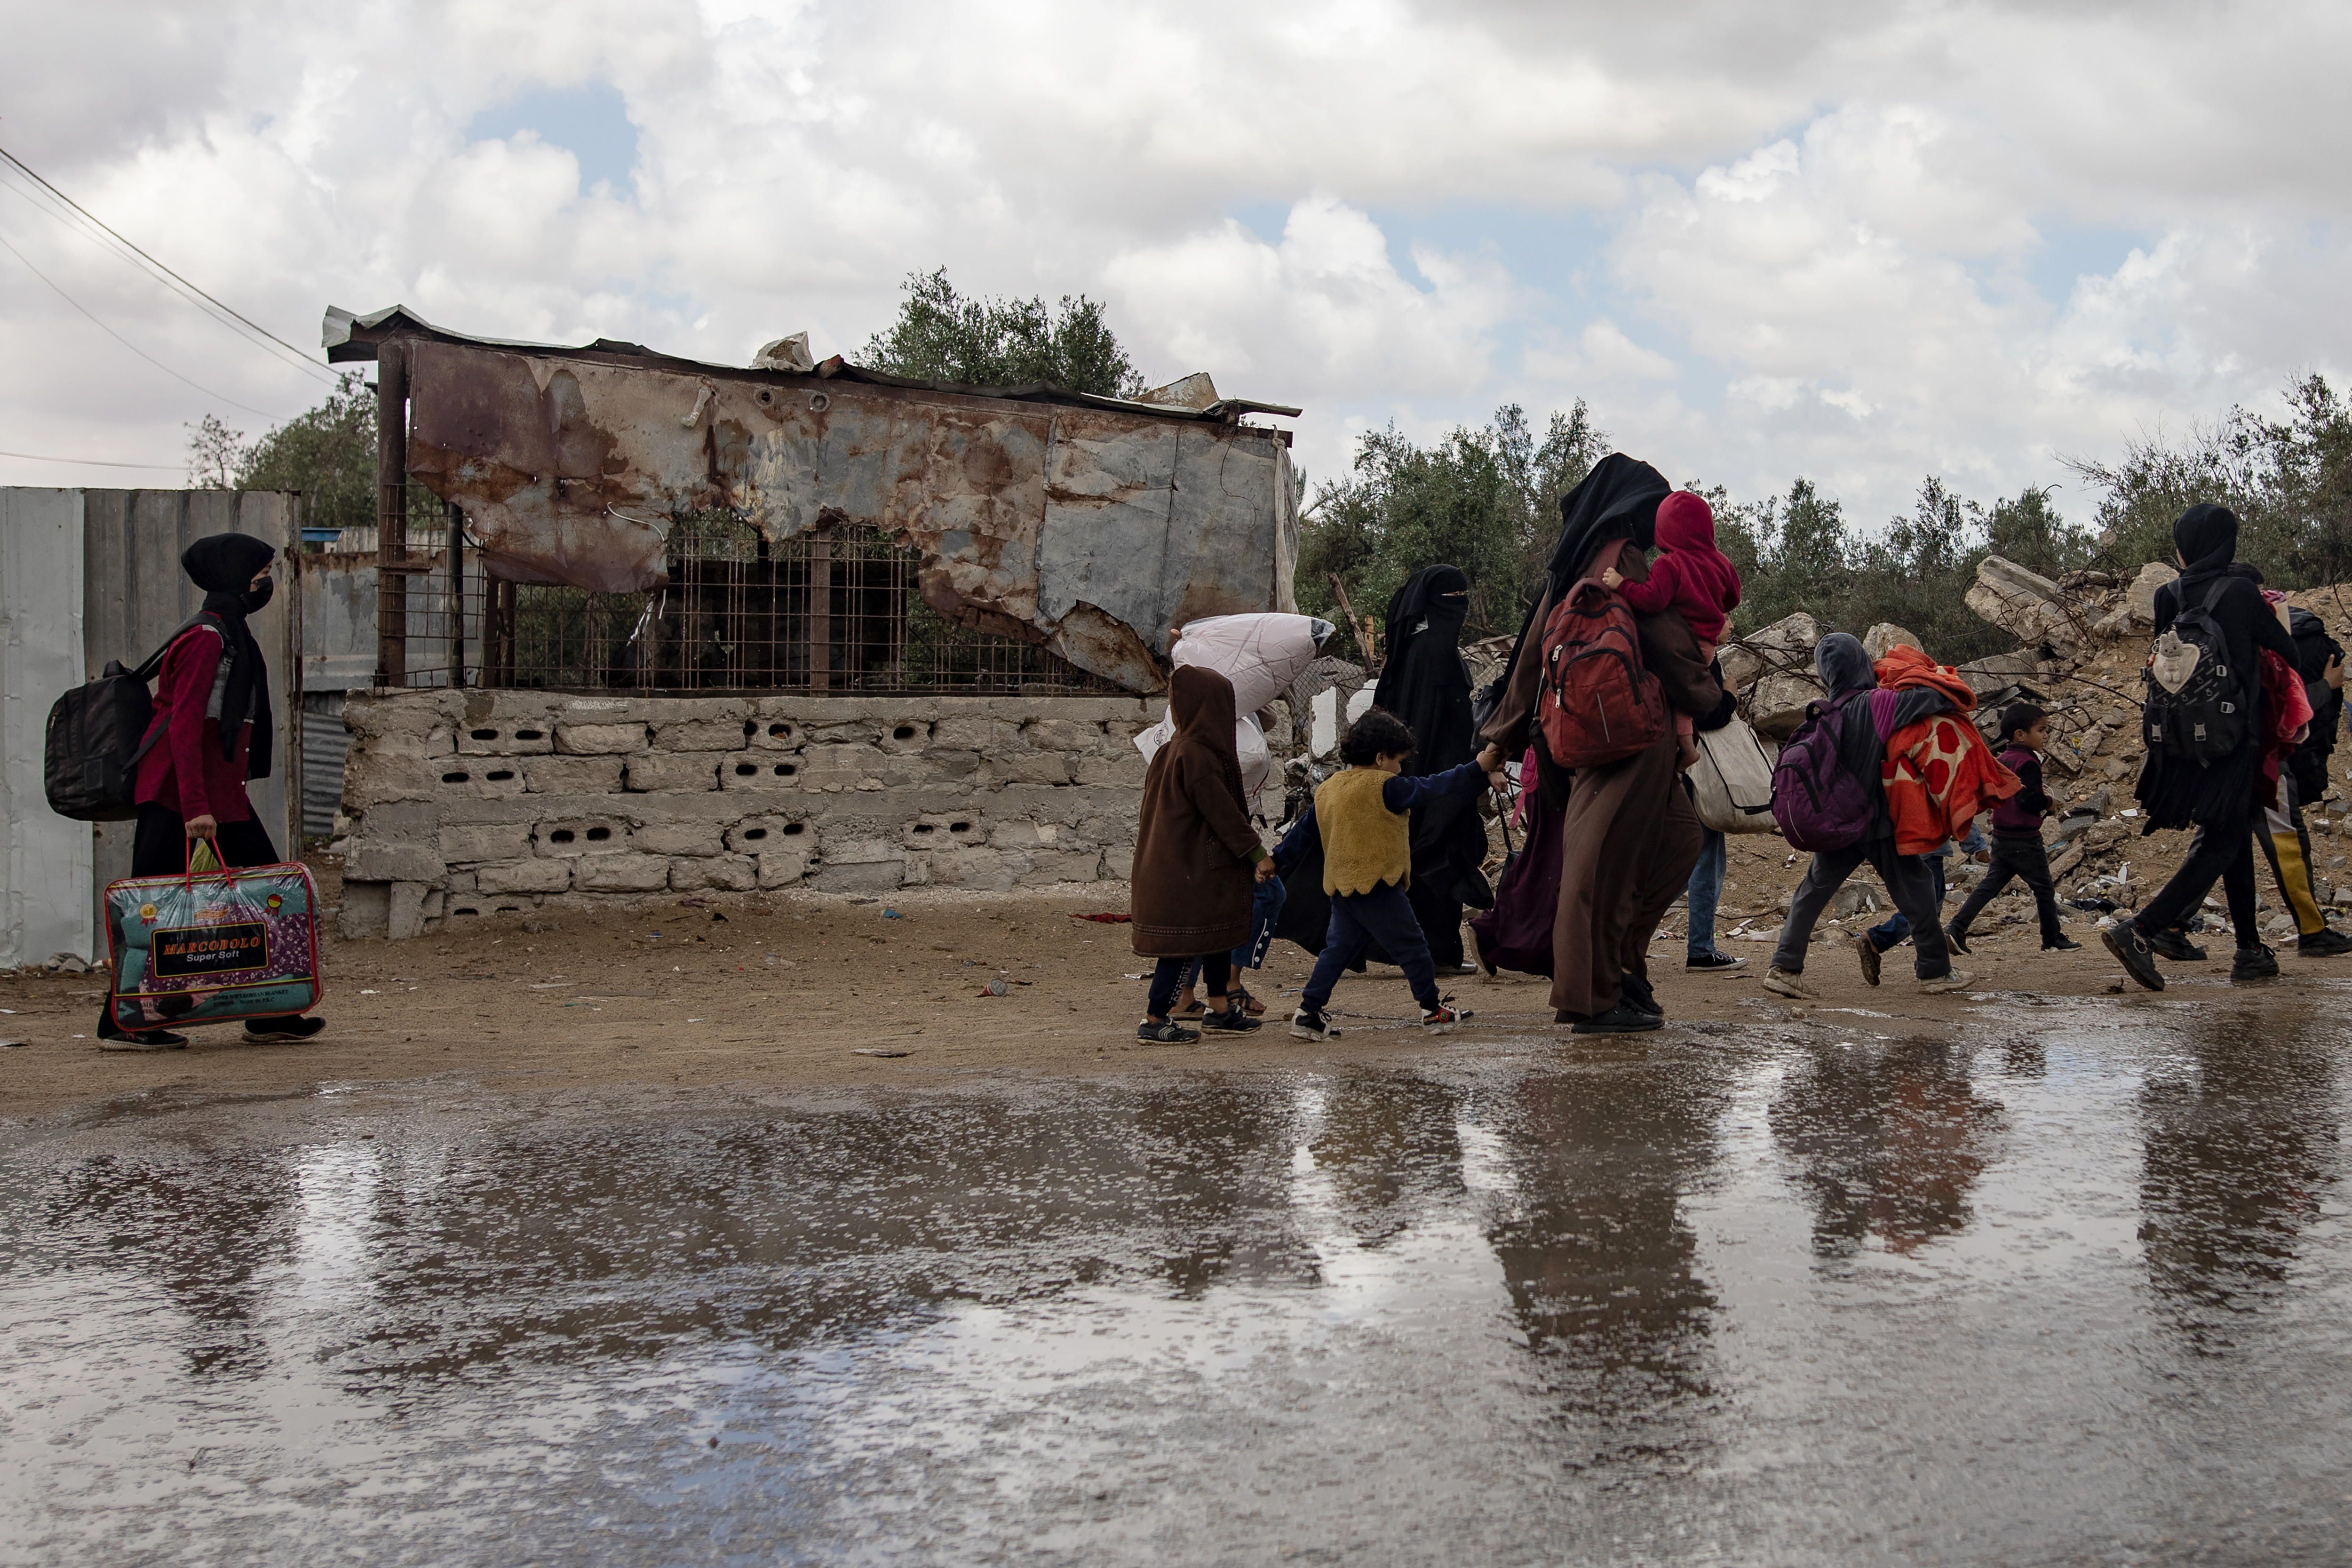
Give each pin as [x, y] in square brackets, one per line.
[1626, 1304]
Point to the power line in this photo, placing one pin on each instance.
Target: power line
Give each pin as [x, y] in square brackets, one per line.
[126, 342]
[171, 278]
[93, 462]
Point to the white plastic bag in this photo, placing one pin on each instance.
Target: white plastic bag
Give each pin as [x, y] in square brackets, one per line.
[1260, 654]
[1732, 780]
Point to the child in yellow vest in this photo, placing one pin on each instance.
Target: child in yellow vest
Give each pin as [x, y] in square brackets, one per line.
[1360, 813]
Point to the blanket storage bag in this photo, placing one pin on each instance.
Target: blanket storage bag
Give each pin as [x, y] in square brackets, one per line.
[212, 947]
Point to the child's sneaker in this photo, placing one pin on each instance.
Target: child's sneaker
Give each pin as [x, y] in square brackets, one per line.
[1867, 952]
[1232, 1020]
[1165, 1032]
[1441, 1019]
[1308, 1025]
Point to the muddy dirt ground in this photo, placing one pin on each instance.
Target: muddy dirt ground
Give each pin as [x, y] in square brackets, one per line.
[794, 989]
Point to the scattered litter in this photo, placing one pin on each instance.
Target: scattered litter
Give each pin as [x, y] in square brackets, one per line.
[1130, 978]
[19, 1045]
[694, 1020]
[995, 986]
[10, 1011]
[2128, 811]
[545, 985]
[892, 915]
[1107, 918]
[877, 1051]
[367, 992]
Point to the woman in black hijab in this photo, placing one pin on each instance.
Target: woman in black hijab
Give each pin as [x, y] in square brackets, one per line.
[1424, 683]
[2216, 798]
[210, 733]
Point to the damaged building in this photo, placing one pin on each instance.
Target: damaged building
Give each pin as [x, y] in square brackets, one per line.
[647, 626]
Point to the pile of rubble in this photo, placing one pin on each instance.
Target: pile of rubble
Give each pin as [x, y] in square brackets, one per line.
[2082, 642]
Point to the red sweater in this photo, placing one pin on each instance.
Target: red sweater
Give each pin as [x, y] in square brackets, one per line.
[184, 771]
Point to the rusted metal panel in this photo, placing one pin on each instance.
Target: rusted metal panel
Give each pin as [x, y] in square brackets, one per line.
[1092, 529]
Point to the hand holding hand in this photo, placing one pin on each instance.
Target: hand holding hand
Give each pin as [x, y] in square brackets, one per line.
[1266, 870]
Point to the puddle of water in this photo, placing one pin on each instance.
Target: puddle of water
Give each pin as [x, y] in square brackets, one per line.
[2071, 1293]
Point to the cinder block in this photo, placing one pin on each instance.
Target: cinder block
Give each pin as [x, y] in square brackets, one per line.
[364, 914]
[620, 873]
[1126, 770]
[524, 877]
[723, 732]
[782, 867]
[405, 912]
[850, 766]
[600, 740]
[907, 733]
[1062, 735]
[775, 733]
[721, 873]
[684, 771]
[570, 836]
[572, 776]
[370, 780]
[486, 841]
[761, 771]
[675, 838]
[530, 738]
[1033, 767]
[991, 737]
[860, 730]
[760, 835]
[849, 850]
[877, 876]
[458, 882]
[936, 831]
[479, 778]
[1119, 862]
[1046, 866]
[981, 869]
[373, 861]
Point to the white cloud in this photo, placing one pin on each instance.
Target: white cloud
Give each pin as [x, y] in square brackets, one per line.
[1760, 240]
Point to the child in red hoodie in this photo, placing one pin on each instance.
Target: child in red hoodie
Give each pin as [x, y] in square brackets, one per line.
[1693, 578]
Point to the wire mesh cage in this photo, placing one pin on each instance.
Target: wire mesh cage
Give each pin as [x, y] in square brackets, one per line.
[835, 609]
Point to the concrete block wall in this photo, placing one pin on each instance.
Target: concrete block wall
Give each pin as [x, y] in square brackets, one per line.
[466, 804]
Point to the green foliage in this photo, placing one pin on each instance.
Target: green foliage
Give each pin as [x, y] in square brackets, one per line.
[2290, 482]
[2029, 531]
[328, 453]
[941, 335]
[1486, 500]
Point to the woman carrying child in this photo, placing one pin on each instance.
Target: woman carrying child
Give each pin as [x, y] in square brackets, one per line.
[1194, 854]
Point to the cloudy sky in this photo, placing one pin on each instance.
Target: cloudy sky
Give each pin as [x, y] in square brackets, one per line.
[1858, 242]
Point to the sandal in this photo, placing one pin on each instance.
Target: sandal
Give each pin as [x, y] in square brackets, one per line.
[1255, 1009]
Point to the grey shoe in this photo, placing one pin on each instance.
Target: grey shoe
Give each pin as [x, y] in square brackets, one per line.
[1951, 980]
[1782, 983]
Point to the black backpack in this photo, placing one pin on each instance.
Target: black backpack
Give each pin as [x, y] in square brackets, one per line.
[2196, 706]
[96, 738]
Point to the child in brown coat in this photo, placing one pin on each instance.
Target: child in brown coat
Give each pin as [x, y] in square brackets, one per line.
[1196, 856]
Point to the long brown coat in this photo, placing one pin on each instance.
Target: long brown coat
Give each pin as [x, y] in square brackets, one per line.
[1194, 848]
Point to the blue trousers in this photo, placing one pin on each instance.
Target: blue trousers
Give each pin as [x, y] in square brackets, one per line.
[1358, 920]
[1265, 909]
[1705, 892]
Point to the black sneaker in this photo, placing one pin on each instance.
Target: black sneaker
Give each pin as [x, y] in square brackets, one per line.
[2061, 943]
[1957, 940]
[1621, 1019]
[2257, 963]
[1165, 1032]
[287, 1026]
[1637, 993]
[2324, 943]
[2173, 944]
[1713, 962]
[110, 1039]
[1311, 1025]
[2134, 952]
[1233, 1020]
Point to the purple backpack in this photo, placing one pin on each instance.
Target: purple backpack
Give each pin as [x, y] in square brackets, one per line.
[1816, 802]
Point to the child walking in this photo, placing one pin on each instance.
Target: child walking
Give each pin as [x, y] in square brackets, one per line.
[1194, 851]
[1362, 813]
[2017, 850]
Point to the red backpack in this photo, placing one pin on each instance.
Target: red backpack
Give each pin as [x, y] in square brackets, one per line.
[1597, 705]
